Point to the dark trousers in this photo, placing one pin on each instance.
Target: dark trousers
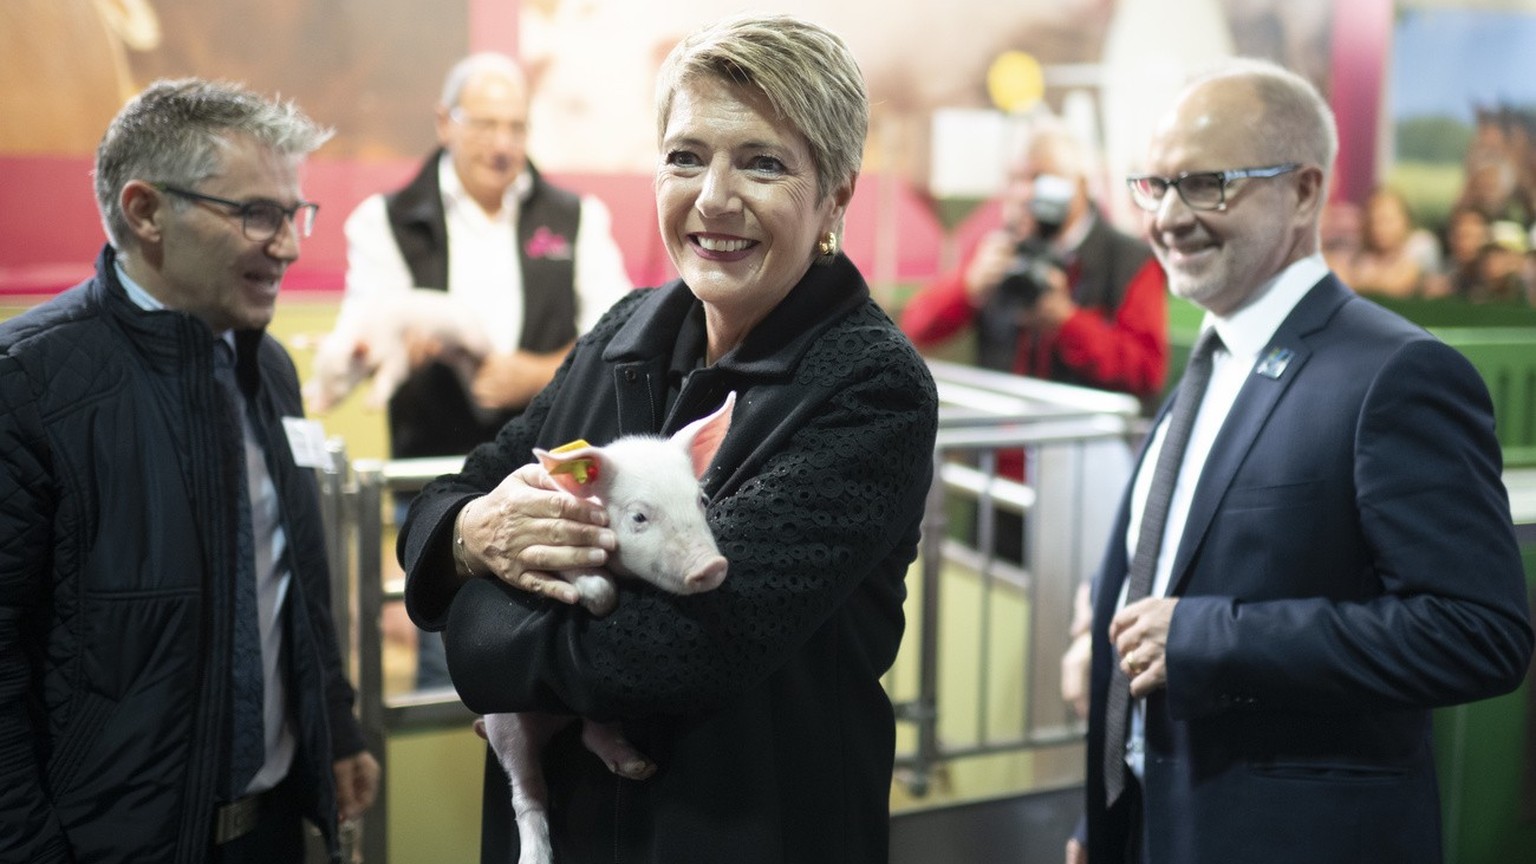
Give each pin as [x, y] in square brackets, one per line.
[1136, 842]
[278, 835]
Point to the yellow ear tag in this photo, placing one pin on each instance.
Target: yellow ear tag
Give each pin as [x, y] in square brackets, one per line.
[583, 470]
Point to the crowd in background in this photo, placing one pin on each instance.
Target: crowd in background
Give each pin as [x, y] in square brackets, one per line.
[1483, 251]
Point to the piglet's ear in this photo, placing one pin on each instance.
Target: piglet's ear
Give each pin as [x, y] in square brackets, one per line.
[702, 437]
[579, 470]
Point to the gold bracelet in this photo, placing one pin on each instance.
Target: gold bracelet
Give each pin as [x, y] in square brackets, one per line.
[460, 554]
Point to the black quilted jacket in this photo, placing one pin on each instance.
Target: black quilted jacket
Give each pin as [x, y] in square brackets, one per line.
[117, 465]
[760, 701]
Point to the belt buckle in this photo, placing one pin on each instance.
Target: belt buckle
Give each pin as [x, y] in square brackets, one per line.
[236, 819]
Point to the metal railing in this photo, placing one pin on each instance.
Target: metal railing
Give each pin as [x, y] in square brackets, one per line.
[1075, 444]
[352, 499]
[1060, 428]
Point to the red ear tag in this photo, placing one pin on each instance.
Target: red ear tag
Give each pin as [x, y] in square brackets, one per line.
[584, 470]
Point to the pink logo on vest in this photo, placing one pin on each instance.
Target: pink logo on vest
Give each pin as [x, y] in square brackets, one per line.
[547, 244]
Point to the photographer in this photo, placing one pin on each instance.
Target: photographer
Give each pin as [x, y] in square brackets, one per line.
[1056, 292]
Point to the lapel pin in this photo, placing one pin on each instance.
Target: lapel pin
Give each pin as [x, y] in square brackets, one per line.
[1272, 365]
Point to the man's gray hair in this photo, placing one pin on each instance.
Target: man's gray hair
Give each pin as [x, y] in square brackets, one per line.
[1297, 124]
[1072, 156]
[806, 73]
[175, 132]
[472, 67]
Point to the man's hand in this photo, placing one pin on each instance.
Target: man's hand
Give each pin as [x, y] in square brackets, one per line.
[1140, 636]
[357, 783]
[421, 347]
[994, 255]
[1076, 663]
[512, 379]
[526, 530]
[1054, 306]
[1075, 668]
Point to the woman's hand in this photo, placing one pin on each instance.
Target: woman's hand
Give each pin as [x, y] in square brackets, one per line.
[526, 530]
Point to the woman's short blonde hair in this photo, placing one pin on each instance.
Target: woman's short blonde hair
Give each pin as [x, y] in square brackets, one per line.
[805, 72]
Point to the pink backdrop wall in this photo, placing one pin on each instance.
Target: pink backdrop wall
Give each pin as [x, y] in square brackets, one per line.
[49, 233]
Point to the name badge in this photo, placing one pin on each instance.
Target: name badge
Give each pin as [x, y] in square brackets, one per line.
[306, 439]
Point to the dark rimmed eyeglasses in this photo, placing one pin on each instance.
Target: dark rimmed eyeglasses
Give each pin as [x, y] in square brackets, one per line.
[260, 220]
[1201, 190]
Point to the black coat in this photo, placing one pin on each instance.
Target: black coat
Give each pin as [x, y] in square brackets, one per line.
[118, 461]
[760, 701]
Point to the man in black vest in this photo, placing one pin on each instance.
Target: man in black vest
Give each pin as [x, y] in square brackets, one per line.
[536, 263]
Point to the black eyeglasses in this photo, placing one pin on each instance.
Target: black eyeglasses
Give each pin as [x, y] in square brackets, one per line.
[1201, 190]
[260, 220]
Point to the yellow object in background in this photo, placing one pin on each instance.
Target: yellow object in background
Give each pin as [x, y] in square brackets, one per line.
[1015, 81]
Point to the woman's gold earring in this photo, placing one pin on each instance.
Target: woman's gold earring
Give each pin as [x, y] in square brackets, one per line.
[827, 246]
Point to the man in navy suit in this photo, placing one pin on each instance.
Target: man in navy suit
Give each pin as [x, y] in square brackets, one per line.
[1337, 556]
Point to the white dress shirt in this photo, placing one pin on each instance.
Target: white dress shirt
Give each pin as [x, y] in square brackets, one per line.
[483, 269]
[1243, 335]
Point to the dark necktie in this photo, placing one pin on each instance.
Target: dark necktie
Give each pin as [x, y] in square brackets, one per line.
[1149, 543]
[248, 738]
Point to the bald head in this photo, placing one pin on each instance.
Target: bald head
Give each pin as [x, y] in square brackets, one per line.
[1288, 120]
[477, 67]
[1264, 139]
[482, 122]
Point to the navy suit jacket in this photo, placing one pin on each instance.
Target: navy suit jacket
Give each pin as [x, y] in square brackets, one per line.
[1348, 564]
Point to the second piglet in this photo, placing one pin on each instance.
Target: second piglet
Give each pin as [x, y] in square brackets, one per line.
[649, 487]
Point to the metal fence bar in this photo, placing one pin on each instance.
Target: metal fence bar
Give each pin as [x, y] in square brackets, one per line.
[366, 511]
[332, 482]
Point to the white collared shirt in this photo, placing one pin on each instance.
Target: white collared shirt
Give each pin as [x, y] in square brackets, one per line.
[1243, 335]
[272, 579]
[484, 268]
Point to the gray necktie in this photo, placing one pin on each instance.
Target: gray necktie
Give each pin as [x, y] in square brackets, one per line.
[248, 738]
[1149, 543]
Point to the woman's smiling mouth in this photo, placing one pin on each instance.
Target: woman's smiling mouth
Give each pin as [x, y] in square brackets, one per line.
[721, 248]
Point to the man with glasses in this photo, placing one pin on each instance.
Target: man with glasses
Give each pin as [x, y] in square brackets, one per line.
[170, 686]
[536, 263]
[1316, 548]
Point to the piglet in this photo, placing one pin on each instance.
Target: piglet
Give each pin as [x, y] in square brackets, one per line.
[372, 344]
[650, 489]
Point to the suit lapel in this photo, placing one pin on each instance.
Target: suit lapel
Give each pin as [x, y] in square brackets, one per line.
[1280, 364]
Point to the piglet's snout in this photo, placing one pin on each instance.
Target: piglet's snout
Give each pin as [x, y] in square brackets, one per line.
[707, 576]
